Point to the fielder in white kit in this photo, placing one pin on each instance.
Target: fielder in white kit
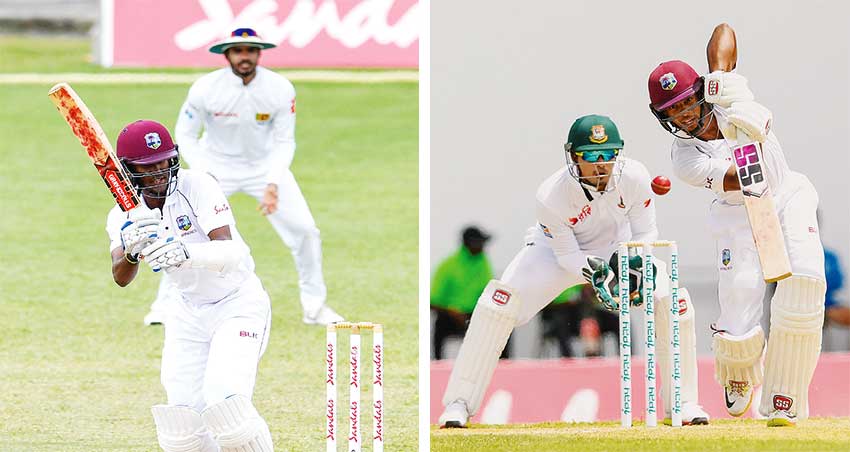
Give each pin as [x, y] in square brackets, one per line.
[247, 114]
[584, 211]
[218, 329]
[701, 157]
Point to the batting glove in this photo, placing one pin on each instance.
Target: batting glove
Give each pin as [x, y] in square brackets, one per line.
[726, 88]
[139, 231]
[166, 253]
[751, 117]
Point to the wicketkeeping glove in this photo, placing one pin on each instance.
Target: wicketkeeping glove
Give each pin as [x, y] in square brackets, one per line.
[166, 253]
[139, 231]
[601, 277]
[635, 278]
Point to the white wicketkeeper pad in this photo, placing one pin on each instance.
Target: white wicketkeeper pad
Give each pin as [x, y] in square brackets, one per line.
[796, 319]
[180, 429]
[237, 426]
[738, 358]
[687, 348]
[493, 319]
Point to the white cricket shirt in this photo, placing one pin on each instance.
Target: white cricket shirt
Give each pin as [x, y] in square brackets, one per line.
[704, 163]
[576, 222]
[196, 207]
[250, 125]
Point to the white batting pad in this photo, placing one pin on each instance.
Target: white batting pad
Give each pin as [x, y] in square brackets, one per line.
[796, 319]
[492, 321]
[180, 429]
[687, 348]
[237, 426]
[738, 358]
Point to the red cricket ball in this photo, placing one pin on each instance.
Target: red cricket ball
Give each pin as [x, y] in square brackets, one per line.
[660, 185]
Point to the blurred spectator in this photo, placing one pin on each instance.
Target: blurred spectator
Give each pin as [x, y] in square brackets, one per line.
[576, 314]
[835, 312]
[456, 286]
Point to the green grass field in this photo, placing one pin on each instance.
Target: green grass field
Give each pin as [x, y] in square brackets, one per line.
[721, 436]
[79, 370]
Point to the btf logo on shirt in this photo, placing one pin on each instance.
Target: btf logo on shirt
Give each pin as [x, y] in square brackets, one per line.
[585, 212]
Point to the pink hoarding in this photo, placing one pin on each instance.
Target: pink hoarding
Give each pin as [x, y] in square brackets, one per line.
[588, 390]
[308, 33]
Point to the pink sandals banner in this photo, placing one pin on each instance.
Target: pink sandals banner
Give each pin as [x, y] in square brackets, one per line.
[308, 34]
[587, 390]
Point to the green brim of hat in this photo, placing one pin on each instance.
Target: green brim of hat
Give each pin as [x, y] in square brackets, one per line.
[597, 147]
[221, 47]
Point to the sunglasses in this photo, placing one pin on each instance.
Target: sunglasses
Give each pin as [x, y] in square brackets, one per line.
[593, 156]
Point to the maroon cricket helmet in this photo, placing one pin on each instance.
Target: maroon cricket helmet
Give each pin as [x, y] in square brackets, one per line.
[145, 142]
[671, 82]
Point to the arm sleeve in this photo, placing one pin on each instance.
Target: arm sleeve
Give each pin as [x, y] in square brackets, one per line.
[561, 239]
[188, 129]
[212, 209]
[114, 221]
[699, 169]
[641, 213]
[219, 256]
[283, 138]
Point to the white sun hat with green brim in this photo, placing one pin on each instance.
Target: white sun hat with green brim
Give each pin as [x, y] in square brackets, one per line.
[241, 37]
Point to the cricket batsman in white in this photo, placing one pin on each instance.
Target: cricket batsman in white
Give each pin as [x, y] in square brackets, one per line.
[218, 329]
[247, 114]
[584, 211]
[701, 157]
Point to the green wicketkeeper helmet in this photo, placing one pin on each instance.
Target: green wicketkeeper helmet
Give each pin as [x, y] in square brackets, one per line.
[596, 140]
[593, 132]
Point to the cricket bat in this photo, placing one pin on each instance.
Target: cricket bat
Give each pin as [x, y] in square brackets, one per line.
[95, 142]
[722, 53]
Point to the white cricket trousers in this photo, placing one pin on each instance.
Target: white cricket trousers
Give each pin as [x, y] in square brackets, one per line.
[538, 277]
[741, 284]
[212, 351]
